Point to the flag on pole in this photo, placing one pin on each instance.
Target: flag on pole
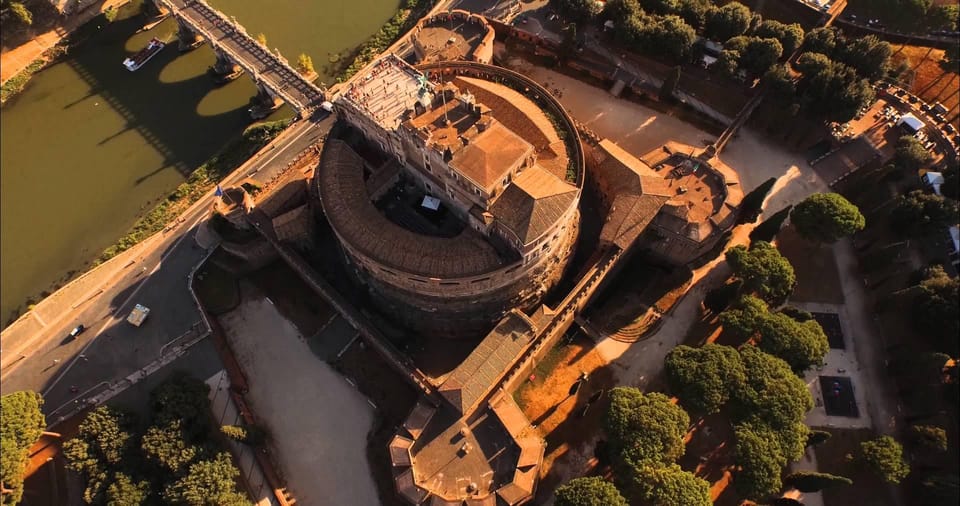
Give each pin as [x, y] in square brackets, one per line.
[219, 192]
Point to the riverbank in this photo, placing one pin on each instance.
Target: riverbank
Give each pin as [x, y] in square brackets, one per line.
[18, 65]
[25, 58]
[199, 183]
[405, 18]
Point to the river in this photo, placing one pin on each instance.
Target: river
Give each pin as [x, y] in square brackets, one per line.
[88, 147]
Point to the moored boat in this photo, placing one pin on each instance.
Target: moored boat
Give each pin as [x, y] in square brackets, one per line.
[136, 61]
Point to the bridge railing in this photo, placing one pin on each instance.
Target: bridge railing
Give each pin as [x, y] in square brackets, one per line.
[275, 59]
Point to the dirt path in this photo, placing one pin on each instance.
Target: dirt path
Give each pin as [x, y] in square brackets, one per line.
[14, 60]
[318, 422]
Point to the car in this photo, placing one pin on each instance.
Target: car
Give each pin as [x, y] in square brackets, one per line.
[74, 333]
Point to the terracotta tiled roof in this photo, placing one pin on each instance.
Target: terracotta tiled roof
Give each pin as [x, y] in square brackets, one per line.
[533, 203]
[628, 218]
[293, 224]
[478, 374]
[490, 154]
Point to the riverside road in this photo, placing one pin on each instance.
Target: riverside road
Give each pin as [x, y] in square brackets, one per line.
[111, 348]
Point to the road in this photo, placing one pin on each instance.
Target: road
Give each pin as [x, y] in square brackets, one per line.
[111, 348]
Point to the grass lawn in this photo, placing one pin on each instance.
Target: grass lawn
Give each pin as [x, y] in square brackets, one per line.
[561, 419]
[217, 289]
[817, 277]
[831, 458]
[930, 80]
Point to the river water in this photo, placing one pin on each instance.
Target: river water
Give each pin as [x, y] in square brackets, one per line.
[88, 147]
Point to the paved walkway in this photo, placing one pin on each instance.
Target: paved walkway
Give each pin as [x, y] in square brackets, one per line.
[14, 60]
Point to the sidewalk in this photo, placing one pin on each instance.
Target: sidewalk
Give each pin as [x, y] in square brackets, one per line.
[19, 58]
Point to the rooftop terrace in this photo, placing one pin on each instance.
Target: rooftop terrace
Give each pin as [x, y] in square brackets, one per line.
[388, 91]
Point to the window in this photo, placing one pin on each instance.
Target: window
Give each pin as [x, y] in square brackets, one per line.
[476, 190]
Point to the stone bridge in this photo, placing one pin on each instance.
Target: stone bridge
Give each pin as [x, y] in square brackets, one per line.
[276, 80]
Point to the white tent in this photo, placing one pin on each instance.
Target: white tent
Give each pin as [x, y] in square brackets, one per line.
[910, 122]
[933, 180]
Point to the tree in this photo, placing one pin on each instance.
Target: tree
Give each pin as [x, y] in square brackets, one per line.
[826, 217]
[592, 491]
[578, 11]
[796, 314]
[869, 55]
[763, 270]
[884, 456]
[167, 448]
[760, 460]
[910, 155]
[123, 491]
[817, 437]
[831, 90]
[669, 37]
[21, 423]
[760, 55]
[743, 320]
[929, 437]
[250, 434]
[668, 486]
[182, 399]
[768, 229]
[670, 85]
[728, 21]
[694, 12]
[19, 11]
[262, 39]
[305, 64]
[752, 202]
[821, 40]
[704, 378]
[718, 299]
[807, 481]
[918, 213]
[208, 483]
[945, 16]
[103, 441]
[790, 36]
[619, 11]
[661, 7]
[774, 397]
[780, 83]
[936, 308]
[802, 345]
[644, 429]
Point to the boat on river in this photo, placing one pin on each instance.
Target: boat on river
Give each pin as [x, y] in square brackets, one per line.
[136, 61]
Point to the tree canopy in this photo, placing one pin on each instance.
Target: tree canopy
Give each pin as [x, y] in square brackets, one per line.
[167, 447]
[669, 486]
[20, 12]
[124, 491]
[790, 36]
[763, 270]
[919, 213]
[936, 309]
[756, 55]
[21, 423]
[743, 319]
[760, 459]
[831, 90]
[826, 217]
[644, 429]
[592, 491]
[884, 456]
[910, 155]
[802, 345]
[703, 378]
[728, 21]
[578, 11]
[929, 437]
[808, 481]
[208, 483]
